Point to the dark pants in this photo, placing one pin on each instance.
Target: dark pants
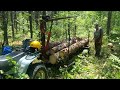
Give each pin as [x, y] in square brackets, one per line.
[97, 49]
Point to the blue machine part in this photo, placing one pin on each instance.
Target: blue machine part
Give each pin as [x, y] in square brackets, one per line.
[6, 50]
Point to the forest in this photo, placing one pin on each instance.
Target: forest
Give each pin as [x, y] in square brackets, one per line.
[69, 36]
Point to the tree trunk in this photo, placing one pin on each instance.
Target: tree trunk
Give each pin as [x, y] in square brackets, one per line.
[12, 22]
[43, 35]
[68, 34]
[15, 21]
[28, 26]
[109, 22]
[43, 30]
[5, 21]
[36, 19]
[66, 52]
[23, 24]
[75, 27]
[30, 20]
[75, 31]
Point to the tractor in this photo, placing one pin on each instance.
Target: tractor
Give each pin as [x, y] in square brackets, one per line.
[33, 58]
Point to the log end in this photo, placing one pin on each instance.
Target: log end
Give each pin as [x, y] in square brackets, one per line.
[52, 59]
[61, 54]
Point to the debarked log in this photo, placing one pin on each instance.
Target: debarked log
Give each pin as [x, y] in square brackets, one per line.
[63, 45]
[64, 53]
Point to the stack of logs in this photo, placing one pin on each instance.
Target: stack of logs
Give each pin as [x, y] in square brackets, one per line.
[62, 50]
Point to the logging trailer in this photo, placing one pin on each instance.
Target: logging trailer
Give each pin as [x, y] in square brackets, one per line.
[36, 61]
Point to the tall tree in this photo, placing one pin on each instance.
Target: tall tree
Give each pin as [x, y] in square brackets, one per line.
[30, 20]
[68, 26]
[23, 24]
[5, 22]
[36, 19]
[109, 22]
[15, 20]
[44, 26]
[12, 22]
[75, 27]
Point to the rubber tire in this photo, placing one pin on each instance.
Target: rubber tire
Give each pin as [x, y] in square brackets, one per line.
[1, 76]
[32, 71]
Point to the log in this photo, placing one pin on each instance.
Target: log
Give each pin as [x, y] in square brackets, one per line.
[53, 44]
[73, 48]
[62, 54]
[60, 47]
[65, 44]
[53, 58]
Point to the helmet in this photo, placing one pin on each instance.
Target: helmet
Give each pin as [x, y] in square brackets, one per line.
[35, 44]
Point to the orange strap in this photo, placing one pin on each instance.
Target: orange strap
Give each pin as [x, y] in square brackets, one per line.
[46, 33]
[48, 39]
[42, 28]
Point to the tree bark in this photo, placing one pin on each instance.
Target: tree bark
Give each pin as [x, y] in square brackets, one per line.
[61, 45]
[23, 24]
[64, 45]
[12, 22]
[43, 35]
[53, 44]
[15, 21]
[73, 48]
[75, 27]
[30, 20]
[36, 19]
[64, 53]
[5, 22]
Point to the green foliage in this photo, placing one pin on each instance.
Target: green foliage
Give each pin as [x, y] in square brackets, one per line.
[112, 67]
[83, 69]
[88, 67]
[13, 73]
[93, 68]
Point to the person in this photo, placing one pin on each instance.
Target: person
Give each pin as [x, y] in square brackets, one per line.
[98, 35]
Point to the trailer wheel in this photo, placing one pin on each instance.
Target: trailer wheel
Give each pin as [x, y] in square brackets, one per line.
[1, 76]
[38, 72]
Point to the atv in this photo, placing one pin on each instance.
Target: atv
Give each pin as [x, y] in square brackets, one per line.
[24, 59]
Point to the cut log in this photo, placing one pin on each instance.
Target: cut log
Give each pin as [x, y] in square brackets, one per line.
[64, 53]
[53, 44]
[73, 48]
[53, 58]
[63, 45]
